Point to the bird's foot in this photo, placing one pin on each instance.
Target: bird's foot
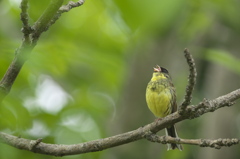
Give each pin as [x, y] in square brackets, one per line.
[158, 119]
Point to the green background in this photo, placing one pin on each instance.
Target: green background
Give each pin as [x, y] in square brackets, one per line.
[87, 76]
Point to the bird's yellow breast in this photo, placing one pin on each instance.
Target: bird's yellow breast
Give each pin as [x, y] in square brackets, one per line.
[159, 102]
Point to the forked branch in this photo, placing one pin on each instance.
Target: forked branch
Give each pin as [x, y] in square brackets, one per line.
[131, 136]
[31, 35]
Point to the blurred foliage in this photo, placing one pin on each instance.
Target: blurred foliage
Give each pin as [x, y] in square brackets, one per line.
[72, 88]
[224, 58]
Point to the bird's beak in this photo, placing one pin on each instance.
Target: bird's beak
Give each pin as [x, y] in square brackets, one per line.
[157, 68]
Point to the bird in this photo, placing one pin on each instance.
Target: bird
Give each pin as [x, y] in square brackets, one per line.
[161, 100]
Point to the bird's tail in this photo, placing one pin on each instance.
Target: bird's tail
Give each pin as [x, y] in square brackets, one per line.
[171, 131]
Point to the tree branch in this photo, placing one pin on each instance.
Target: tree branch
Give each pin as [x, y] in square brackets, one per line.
[24, 18]
[211, 105]
[217, 143]
[21, 55]
[65, 8]
[41, 24]
[30, 38]
[191, 81]
[131, 136]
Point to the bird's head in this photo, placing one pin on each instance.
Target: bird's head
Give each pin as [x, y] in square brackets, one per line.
[159, 73]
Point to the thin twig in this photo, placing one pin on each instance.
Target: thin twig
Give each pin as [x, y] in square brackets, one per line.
[34, 143]
[131, 136]
[213, 143]
[70, 5]
[65, 8]
[191, 81]
[24, 18]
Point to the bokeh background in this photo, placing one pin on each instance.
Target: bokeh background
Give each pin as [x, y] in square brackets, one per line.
[87, 76]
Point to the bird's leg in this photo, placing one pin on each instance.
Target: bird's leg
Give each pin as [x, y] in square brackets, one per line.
[156, 120]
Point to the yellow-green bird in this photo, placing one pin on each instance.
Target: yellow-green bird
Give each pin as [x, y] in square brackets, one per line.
[161, 99]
